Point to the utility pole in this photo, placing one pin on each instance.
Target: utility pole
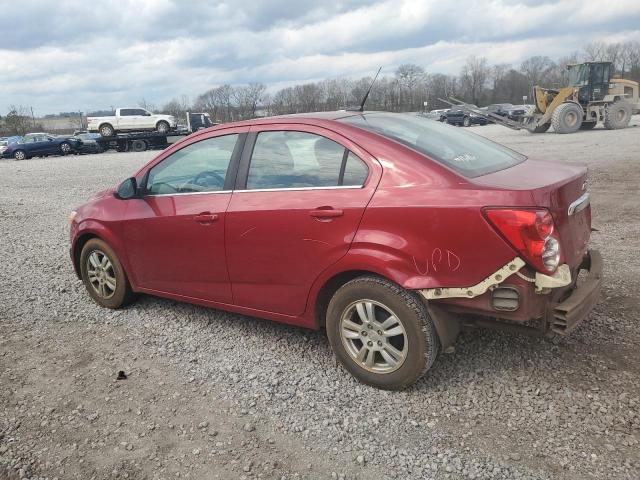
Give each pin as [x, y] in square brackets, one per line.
[33, 118]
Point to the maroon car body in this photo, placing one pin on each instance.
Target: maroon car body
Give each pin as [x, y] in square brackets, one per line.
[449, 234]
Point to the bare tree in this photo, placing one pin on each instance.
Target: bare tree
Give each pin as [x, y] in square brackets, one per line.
[18, 121]
[538, 70]
[147, 105]
[473, 78]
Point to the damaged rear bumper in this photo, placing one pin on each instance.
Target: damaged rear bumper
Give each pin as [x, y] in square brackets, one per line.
[539, 304]
[566, 315]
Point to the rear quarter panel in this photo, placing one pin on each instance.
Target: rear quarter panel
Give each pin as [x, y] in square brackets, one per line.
[424, 226]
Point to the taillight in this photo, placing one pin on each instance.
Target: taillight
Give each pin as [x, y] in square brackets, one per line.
[531, 232]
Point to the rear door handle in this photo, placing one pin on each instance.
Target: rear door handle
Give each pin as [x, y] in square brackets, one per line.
[206, 217]
[326, 212]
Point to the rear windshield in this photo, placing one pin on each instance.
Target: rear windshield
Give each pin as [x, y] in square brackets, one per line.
[468, 154]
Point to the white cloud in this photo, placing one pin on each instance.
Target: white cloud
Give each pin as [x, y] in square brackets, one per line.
[69, 56]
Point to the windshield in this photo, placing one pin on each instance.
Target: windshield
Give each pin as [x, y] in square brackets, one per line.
[468, 154]
[578, 75]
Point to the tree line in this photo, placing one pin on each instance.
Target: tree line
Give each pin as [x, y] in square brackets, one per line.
[478, 82]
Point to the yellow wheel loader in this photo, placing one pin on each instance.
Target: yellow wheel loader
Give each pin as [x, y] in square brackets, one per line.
[592, 96]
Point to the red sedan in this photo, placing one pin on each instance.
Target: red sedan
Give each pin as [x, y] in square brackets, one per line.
[392, 231]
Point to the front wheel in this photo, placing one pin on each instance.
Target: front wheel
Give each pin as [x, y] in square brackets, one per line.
[19, 155]
[381, 333]
[103, 275]
[466, 122]
[65, 148]
[567, 118]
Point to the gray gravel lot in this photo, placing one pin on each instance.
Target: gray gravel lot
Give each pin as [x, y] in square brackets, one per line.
[218, 395]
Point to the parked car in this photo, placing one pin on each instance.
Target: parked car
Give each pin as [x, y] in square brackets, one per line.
[41, 145]
[389, 230]
[89, 143]
[439, 114]
[3, 146]
[457, 116]
[517, 112]
[131, 120]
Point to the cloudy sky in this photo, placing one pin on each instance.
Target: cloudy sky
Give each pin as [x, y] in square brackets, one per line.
[70, 55]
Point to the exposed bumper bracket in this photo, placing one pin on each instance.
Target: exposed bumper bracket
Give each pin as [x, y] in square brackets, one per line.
[478, 289]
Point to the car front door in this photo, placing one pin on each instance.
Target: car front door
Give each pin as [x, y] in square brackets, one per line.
[38, 145]
[300, 195]
[142, 119]
[175, 233]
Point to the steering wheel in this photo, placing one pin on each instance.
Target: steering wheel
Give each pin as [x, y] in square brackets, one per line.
[158, 185]
[200, 179]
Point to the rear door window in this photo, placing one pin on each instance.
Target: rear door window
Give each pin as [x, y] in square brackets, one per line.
[468, 154]
[287, 159]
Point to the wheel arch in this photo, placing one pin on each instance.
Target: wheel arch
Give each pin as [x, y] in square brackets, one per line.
[330, 286]
[90, 229]
[79, 244]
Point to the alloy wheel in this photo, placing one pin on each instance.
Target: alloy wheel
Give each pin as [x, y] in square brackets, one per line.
[101, 275]
[65, 147]
[373, 336]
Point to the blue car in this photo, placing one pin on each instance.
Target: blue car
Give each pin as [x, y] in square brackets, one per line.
[41, 145]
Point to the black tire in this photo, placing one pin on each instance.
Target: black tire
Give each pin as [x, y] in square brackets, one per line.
[422, 343]
[138, 146]
[588, 125]
[65, 148]
[122, 295]
[617, 115]
[20, 155]
[567, 118]
[162, 127]
[107, 130]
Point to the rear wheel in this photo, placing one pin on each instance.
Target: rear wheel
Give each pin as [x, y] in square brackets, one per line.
[103, 275]
[617, 115]
[106, 130]
[381, 333]
[162, 127]
[65, 148]
[466, 122]
[567, 118]
[138, 146]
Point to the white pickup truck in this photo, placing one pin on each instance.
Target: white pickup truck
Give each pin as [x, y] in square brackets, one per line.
[131, 120]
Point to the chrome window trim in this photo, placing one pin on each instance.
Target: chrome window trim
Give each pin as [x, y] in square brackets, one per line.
[579, 204]
[185, 193]
[337, 187]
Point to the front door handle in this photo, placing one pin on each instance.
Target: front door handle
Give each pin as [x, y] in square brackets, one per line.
[326, 213]
[206, 218]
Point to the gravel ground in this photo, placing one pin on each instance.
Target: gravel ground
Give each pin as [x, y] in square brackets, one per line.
[216, 395]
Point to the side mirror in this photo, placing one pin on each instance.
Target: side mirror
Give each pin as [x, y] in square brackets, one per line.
[127, 189]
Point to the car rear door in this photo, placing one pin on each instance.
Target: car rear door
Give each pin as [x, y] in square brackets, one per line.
[300, 195]
[174, 234]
